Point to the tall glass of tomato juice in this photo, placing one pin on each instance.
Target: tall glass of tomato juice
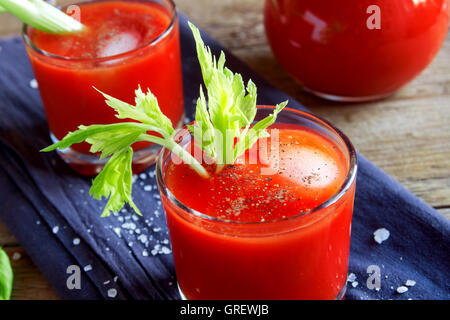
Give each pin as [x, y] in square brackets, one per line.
[355, 50]
[277, 228]
[126, 44]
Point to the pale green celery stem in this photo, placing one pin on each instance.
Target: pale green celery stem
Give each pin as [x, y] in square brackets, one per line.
[41, 15]
[176, 149]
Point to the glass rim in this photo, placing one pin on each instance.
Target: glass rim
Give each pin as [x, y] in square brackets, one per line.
[27, 40]
[346, 185]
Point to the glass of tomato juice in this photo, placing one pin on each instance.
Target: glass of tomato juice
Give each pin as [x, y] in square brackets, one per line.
[274, 225]
[126, 44]
[355, 50]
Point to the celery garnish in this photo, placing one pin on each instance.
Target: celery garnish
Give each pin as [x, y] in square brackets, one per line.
[225, 118]
[229, 111]
[41, 15]
[115, 140]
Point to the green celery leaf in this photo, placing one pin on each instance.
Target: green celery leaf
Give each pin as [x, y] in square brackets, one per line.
[104, 138]
[6, 276]
[115, 140]
[115, 182]
[146, 111]
[249, 136]
[230, 109]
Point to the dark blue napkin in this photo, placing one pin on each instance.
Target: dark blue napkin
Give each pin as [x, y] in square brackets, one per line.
[47, 208]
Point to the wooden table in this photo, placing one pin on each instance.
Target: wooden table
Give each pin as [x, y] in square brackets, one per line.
[407, 135]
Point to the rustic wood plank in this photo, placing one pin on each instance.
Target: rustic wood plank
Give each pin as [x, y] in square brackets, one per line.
[6, 238]
[29, 283]
[445, 212]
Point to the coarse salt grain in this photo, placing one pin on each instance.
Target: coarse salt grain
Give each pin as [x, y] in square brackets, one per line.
[381, 235]
[143, 176]
[87, 268]
[410, 283]
[143, 238]
[33, 83]
[351, 277]
[165, 250]
[129, 225]
[112, 293]
[76, 241]
[402, 289]
[117, 232]
[16, 256]
[55, 229]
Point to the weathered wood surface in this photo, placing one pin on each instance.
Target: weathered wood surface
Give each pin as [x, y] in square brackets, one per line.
[407, 135]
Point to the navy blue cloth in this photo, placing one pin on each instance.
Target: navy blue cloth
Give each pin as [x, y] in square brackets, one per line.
[47, 207]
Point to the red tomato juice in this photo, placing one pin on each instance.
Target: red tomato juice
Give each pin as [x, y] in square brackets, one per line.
[126, 44]
[265, 244]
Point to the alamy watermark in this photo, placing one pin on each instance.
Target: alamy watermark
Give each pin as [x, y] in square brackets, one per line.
[374, 20]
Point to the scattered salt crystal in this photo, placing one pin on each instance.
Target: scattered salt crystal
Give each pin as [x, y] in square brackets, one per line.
[148, 188]
[106, 282]
[355, 284]
[115, 278]
[410, 283]
[381, 235]
[165, 250]
[112, 293]
[87, 268]
[117, 231]
[76, 241]
[143, 176]
[402, 289]
[135, 217]
[145, 253]
[156, 229]
[55, 229]
[129, 225]
[33, 83]
[143, 238]
[38, 222]
[351, 277]
[16, 256]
